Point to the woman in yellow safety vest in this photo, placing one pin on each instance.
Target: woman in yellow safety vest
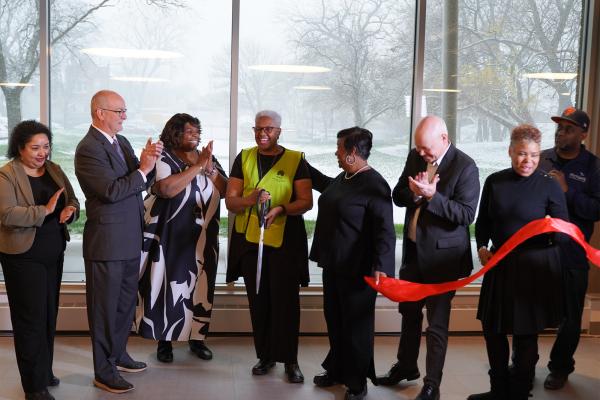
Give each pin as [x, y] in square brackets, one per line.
[270, 174]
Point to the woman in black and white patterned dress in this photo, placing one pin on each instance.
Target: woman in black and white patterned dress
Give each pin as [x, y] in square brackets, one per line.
[181, 248]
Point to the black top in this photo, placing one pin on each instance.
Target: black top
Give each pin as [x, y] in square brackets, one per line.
[264, 165]
[43, 187]
[354, 232]
[509, 201]
[294, 249]
[522, 294]
[582, 175]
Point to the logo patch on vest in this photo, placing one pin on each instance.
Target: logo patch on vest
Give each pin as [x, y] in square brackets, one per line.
[280, 172]
[577, 177]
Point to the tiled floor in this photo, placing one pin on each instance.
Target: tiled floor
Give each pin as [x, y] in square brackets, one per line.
[228, 376]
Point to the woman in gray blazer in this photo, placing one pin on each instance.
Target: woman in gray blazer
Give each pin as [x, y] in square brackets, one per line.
[36, 201]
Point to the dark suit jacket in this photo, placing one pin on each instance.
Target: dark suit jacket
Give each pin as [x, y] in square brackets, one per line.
[443, 244]
[113, 192]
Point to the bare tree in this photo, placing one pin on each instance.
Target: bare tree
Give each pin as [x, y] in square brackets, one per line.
[501, 42]
[20, 36]
[357, 40]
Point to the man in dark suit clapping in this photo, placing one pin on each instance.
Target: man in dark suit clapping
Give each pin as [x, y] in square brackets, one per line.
[440, 189]
[112, 179]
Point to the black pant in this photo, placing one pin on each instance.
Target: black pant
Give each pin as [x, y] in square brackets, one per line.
[567, 339]
[111, 290]
[349, 306]
[525, 356]
[275, 310]
[438, 318]
[32, 286]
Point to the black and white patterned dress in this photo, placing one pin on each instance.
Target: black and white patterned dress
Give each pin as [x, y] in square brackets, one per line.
[179, 257]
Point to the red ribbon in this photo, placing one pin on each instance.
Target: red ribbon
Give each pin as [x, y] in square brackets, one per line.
[399, 290]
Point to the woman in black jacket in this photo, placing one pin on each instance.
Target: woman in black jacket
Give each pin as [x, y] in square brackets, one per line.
[354, 237]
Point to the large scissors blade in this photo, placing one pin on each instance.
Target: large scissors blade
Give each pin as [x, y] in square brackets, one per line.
[261, 240]
[262, 210]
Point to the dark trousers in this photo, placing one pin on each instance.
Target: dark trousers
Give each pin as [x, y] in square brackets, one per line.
[567, 339]
[438, 318]
[525, 356]
[275, 310]
[32, 286]
[111, 289]
[349, 306]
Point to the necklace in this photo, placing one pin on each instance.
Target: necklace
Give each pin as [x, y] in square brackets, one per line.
[357, 172]
[262, 157]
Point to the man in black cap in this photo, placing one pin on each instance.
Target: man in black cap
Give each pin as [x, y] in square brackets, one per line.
[578, 173]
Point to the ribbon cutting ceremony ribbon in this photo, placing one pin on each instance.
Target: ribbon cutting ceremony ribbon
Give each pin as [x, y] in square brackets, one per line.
[399, 290]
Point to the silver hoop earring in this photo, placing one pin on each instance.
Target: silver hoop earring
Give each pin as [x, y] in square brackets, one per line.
[350, 160]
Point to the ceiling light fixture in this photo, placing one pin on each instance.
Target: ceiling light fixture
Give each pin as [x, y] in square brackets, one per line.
[131, 53]
[301, 69]
[137, 79]
[308, 87]
[557, 76]
[15, 84]
[442, 90]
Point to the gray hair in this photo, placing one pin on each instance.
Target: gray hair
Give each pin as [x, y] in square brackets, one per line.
[275, 117]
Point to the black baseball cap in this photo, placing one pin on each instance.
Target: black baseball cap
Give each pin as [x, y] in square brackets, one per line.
[576, 116]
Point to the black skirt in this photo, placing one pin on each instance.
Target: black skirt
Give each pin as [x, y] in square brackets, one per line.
[522, 295]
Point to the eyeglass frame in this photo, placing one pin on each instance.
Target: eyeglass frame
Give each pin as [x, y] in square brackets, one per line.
[266, 129]
[119, 112]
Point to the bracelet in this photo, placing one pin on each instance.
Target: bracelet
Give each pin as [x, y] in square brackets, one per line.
[284, 209]
[212, 172]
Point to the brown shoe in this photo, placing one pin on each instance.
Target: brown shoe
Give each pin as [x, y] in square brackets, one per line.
[117, 385]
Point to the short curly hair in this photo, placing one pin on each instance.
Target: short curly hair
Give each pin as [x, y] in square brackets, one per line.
[525, 132]
[357, 138]
[173, 130]
[22, 134]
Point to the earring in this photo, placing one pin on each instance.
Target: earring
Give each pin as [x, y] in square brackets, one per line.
[350, 160]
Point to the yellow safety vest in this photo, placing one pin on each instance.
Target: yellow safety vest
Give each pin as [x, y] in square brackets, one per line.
[279, 182]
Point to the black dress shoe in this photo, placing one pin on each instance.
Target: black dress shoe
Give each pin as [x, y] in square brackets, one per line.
[555, 380]
[53, 381]
[117, 385]
[397, 374]
[293, 373]
[486, 396]
[41, 395]
[351, 395]
[164, 351]
[262, 367]
[199, 348]
[131, 366]
[324, 380]
[429, 393]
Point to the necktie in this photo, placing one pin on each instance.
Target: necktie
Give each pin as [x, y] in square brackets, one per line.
[412, 225]
[118, 149]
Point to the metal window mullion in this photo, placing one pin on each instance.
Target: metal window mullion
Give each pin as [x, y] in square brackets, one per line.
[233, 94]
[44, 67]
[418, 66]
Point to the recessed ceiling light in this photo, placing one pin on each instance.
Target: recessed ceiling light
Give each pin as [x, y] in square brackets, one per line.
[564, 76]
[15, 84]
[130, 53]
[303, 69]
[565, 94]
[442, 90]
[137, 79]
[312, 88]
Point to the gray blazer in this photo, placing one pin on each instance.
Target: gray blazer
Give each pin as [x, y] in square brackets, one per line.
[113, 198]
[19, 215]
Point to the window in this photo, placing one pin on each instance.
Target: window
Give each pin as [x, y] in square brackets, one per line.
[163, 57]
[326, 66]
[491, 65]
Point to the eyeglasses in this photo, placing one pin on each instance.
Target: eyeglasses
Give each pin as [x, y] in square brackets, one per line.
[265, 129]
[119, 112]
